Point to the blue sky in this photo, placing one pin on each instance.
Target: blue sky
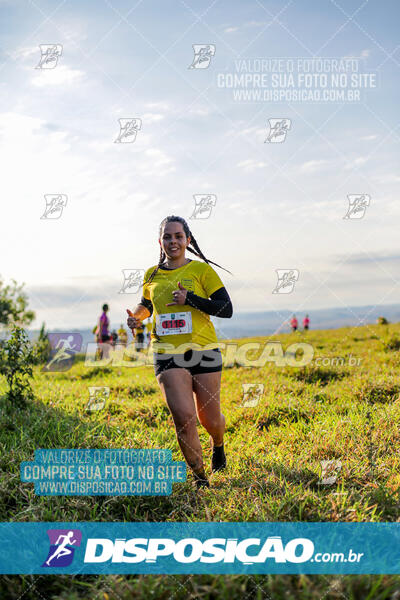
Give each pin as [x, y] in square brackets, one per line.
[278, 205]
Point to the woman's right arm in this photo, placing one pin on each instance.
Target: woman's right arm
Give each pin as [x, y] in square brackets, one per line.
[141, 312]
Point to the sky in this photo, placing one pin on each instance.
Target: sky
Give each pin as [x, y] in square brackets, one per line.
[276, 205]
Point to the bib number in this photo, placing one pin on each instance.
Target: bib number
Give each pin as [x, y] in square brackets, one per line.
[174, 323]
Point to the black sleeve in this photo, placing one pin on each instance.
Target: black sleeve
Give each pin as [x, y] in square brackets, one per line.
[220, 304]
[147, 304]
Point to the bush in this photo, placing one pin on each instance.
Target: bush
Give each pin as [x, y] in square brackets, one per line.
[382, 321]
[16, 359]
[42, 347]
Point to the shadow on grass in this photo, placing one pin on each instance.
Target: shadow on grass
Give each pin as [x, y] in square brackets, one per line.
[318, 375]
[381, 393]
[281, 416]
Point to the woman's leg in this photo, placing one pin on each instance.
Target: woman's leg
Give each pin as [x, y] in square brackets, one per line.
[176, 386]
[207, 393]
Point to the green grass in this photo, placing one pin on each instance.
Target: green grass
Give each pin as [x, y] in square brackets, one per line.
[274, 452]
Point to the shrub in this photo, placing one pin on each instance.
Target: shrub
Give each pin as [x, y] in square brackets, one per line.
[382, 321]
[16, 359]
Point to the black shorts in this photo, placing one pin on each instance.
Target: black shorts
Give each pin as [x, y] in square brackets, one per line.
[194, 361]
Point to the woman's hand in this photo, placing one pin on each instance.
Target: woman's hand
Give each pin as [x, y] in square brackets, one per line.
[132, 321]
[178, 295]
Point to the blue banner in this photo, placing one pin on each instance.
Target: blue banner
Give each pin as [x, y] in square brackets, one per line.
[194, 548]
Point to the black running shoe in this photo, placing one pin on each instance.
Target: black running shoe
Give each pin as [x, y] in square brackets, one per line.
[201, 481]
[218, 462]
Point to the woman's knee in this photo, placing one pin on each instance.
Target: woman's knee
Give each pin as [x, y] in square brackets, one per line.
[211, 422]
[184, 421]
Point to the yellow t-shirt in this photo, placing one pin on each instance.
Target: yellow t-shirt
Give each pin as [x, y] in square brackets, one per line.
[194, 327]
[123, 336]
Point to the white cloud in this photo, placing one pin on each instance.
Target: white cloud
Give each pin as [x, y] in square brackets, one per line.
[26, 52]
[152, 117]
[356, 162]
[158, 163]
[60, 75]
[201, 111]
[388, 178]
[230, 29]
[251, 165]
[312, 166]
[363, 54]
[160, 106]
[257, 23]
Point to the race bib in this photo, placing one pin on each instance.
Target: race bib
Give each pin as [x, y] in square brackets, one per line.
[174, 323]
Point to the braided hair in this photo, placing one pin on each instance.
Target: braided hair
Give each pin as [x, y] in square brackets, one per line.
[194, 250]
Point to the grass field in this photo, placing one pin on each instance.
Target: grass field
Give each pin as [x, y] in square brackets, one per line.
[274, 451]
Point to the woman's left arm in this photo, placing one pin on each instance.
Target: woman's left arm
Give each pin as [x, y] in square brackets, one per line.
[219, 304]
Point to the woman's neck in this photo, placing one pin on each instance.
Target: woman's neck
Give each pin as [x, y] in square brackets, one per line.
[175, 263]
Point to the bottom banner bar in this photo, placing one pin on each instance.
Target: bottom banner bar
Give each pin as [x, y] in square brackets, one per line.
[193, 548]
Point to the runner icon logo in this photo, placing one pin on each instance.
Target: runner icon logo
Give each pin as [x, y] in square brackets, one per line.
[62, 547]
[64, 346]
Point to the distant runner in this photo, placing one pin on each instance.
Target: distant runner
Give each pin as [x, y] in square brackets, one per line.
[294, 323]
[181, 294]
[104, 336]
[122, 335]
[306, 322]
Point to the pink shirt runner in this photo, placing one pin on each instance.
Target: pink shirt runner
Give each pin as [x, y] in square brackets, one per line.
[104, 323]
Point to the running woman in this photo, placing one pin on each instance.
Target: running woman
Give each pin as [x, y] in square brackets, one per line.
[104, 336]
[294, 323]
[306, 323]
[181, 294]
